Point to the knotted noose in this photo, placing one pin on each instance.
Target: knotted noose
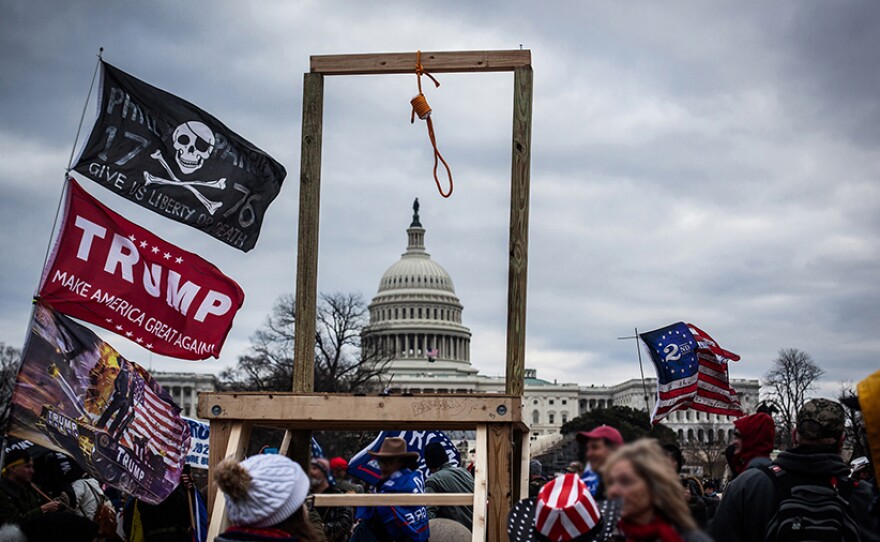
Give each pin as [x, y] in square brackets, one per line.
[421, 108]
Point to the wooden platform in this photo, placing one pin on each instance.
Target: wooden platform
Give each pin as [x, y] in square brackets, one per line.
[497, 420]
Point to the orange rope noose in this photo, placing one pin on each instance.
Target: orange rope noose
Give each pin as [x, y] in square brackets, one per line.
[421, 108]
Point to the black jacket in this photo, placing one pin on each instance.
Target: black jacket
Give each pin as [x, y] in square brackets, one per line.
[750, 501]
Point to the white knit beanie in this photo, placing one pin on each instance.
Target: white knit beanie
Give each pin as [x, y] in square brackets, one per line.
[273, 488]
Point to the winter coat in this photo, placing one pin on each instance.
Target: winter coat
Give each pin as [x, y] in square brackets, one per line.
[451, 479]
[758, 434]
[18, 504]
[335, 521]
[750, 500]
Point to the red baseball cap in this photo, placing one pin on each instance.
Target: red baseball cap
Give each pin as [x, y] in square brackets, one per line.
[607, 432]
[337, 463]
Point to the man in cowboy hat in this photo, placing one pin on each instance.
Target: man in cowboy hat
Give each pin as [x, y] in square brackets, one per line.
[399, 475]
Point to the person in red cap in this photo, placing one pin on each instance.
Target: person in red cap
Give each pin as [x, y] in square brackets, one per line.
[598, 446]
[753, 438]
[339, 468]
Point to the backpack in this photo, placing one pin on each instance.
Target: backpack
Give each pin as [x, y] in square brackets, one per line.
[811, 509]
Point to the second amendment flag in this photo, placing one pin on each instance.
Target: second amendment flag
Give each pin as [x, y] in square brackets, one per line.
[77, 395]
[116, 274]
[167, 155]
[691, 372]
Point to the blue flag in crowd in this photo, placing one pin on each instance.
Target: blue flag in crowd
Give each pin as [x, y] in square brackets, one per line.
[364, 467]
[316, 449]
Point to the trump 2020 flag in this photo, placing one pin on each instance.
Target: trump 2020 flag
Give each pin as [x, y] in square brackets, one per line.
[115, 274]
[75, 394]
[167, 155]
[364, 467]
[691, 372]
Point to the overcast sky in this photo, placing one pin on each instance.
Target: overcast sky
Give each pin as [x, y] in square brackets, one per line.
[715, 163]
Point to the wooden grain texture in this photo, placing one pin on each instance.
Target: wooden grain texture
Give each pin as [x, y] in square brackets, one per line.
[323, 410]
[395, 499]
[499, 446]
[236, 445]
[300, 449]
[307, 238]
[433, 62]
[519, 231]
[218, 437]
[481, 484]
[525, 445]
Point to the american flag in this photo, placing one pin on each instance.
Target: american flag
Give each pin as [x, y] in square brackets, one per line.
[156, 422]
[432, 354]
[691, 372]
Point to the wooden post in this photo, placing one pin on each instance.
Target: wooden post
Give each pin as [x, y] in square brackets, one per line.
[237, 441]
[307, 253]
[499, 481]
[217, 441]
[519, 231]
[481, 486]
[307, 245]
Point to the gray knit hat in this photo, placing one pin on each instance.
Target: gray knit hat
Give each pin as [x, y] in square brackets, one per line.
[263, 490]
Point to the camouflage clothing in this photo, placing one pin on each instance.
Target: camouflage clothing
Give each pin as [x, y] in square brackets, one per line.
[820, 419]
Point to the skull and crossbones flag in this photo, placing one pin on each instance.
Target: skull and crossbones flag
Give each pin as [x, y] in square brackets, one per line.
[169, 156]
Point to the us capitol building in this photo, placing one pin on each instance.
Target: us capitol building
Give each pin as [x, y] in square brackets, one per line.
[416, 324]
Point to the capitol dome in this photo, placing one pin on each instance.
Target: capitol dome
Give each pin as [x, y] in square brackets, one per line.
[415, 318]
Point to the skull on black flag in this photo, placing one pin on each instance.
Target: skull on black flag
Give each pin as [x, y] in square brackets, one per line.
[193, 142]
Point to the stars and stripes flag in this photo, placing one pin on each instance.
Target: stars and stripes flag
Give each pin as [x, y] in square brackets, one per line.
[156, 420]
[691, 372]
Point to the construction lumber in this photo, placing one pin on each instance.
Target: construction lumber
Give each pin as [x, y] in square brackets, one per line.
[432, 61]
[307, 244]
[326, 411]
[500, 475]
[395, 499]
[519, 231]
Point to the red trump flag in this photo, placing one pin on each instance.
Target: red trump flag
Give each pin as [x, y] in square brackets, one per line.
[113, 273]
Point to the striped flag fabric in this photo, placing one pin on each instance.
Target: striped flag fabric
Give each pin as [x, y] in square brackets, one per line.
[691, 372]
[156, 420]
[565, 509]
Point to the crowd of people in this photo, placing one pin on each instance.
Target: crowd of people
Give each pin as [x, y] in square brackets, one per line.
[617, 491]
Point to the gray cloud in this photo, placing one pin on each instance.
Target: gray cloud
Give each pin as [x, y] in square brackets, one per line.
[701, 162]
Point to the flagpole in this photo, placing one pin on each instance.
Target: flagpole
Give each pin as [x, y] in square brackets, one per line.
[641, 368]
[70, 164]
[85, 107]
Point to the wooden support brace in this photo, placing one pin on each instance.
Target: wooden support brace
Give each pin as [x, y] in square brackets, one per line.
[307, 244]
[499, 481]
[481, 484]
[395, 499]
[338, 412]
[519, 231]
[239, 435]
[217, 441]
[433, 62]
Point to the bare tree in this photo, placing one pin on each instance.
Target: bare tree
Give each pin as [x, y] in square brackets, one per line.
[793, 376]
[10, 359]
[855, 426]
[706, 449]
[341, 365]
